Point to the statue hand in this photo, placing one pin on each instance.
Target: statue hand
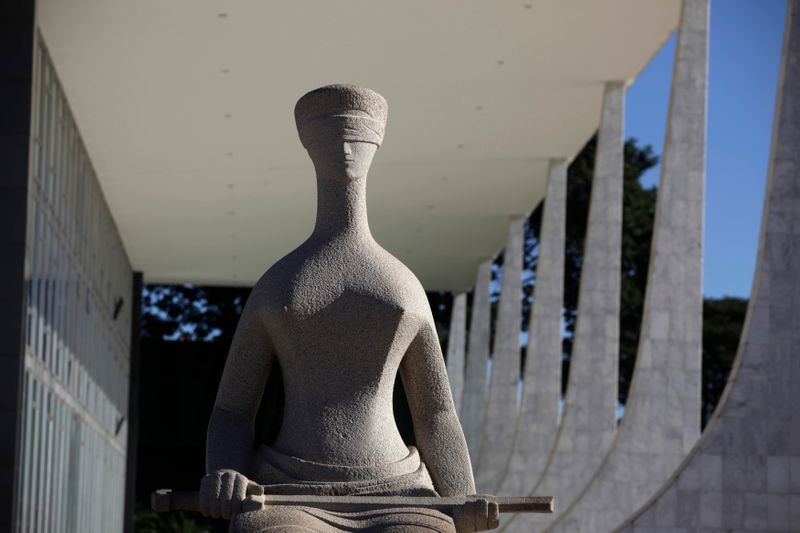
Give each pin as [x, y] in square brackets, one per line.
[222, 493]
[480, 514]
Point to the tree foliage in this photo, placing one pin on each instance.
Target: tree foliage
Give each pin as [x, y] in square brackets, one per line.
[723, 319]
[191, 312]
[145, 520]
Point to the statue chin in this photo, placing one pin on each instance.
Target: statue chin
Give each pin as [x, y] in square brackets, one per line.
[354, 174]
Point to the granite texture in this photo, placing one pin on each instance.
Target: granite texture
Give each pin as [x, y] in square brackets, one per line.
[589, 417]
[537, 423]
[456, 348]
[662, 415]
[343, 317]
[501, 405]
[744, 473]
[473, 408]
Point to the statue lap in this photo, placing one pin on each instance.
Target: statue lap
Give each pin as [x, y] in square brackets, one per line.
[282, 474]
[304, 519]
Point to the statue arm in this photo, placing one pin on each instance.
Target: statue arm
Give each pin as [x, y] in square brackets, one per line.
[230, 441]
[438, 432]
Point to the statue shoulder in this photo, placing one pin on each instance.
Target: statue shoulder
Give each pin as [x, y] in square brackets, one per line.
[271, 284]
[399, 272]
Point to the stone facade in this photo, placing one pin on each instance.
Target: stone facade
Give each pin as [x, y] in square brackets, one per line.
[501, 407]
[537, 422]
[662, 415]
[76, 338]
[456, 348]
[744, 474]
[473, 406]
[589, 418]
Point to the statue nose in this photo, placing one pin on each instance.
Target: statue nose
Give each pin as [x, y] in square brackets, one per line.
[347, 149]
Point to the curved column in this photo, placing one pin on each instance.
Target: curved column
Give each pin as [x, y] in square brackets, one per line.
[589, 419]
[662, 416]
[538, 419]
[456, 345]
[501, 407]
[473, 405]
[744, 473]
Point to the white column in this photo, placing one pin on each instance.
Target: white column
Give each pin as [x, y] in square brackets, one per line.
[501, 408]
[456, 347]
[589, 417]
[473, 405]
[537, 424]
[744, 474]
[662, 415]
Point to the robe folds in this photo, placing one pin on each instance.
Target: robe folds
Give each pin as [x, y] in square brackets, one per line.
[284, 474]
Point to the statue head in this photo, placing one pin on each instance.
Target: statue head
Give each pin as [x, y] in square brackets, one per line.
[341, 127]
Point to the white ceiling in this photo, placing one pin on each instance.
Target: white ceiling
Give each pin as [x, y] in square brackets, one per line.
[186, 108]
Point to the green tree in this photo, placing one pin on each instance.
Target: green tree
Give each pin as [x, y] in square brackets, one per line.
[723, 319]
[191, 313]
[145, 520]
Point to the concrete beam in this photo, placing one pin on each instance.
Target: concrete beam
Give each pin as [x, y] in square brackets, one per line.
[662, 415]
[537, 423]
[473, 407]
[501, 408]
[456, 348]
[744, 474]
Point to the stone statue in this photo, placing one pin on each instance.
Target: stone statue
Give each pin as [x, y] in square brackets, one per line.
[342, 316]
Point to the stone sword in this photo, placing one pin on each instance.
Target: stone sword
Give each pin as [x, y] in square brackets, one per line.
[482, 509]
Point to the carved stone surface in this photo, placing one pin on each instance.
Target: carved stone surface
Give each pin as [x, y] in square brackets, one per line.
[474, 402]
[343, 317]
[744, 473]
[537, 422]
[501, 406]
[662, 414]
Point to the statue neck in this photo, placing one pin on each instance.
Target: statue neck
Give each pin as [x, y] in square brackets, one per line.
[341, 208]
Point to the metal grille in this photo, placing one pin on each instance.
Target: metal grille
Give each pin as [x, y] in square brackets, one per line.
[77, 332]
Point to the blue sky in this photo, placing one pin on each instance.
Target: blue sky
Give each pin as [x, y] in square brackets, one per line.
[744, 56]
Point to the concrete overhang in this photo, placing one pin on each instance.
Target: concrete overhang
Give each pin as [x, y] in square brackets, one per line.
[186, 109]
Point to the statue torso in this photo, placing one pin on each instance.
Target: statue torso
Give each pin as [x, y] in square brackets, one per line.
[340, 314]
